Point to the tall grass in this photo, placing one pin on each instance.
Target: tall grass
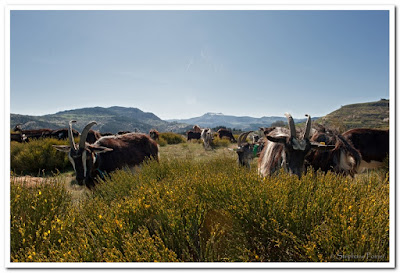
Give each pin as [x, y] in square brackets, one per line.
[204, 211]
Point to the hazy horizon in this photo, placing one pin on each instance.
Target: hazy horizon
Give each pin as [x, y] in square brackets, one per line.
[181, 64]
[189, 117]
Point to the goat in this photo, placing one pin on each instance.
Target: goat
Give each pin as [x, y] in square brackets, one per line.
[226, 133]
[247, 151]
[63, 133]
[107, 154]
[154, 134]
[19, 137]
[207, 137]
[192, 135]
[283, 148]
[33, 134]
[373, 145]
[343, 158]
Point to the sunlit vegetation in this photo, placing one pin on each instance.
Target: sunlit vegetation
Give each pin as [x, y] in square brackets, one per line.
[200, 206]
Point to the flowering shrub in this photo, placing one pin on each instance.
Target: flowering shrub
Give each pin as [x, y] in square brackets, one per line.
[171, 138]
[38, 156]
[191, 210]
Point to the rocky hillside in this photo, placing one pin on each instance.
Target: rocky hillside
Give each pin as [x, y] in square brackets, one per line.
[112, 119]
[360, 115]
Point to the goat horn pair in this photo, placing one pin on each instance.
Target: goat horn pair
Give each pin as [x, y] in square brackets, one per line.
[242, 137]
[71, 136]
[308, 127]
[83, 135]
[292, 128]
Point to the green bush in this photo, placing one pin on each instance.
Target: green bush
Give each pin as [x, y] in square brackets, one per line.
[217, 142]
[171, 138]
[38, 156]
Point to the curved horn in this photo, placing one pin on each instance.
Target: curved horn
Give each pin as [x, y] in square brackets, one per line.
[242, 137]
[85, 133]
[292, 128]
[308, 127]
[71, 135]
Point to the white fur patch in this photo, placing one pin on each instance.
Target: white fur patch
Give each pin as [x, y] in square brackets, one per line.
[263, 170]
[344, 162]
[94, 157]
[84, 163]
[72, 161]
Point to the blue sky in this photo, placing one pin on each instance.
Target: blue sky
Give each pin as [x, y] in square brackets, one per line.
[182, 64]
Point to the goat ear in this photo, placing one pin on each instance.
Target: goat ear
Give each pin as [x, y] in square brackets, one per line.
[98, 149]
[321, 146]
[280, 139]
[63, 148]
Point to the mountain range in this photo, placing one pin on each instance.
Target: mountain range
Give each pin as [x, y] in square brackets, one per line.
[114, 119]
[244, 123]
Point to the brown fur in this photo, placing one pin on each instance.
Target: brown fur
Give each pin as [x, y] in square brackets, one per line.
[154, 134]
[192, 135]
[63, 133]
[128, 149]
[372, 144]
[19, 137]
[330, 160]
[226, 133]
[34, 134]
[93, 136]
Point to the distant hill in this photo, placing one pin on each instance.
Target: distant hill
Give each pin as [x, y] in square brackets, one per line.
[244, 123]
[360, 115]
[112, 119]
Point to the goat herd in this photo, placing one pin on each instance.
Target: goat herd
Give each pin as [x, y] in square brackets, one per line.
[294, 151]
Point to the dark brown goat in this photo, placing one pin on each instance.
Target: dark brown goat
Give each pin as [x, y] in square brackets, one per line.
[373, 145]
[93, 136]
[19, 137]
[63, 133]
[192, 135]
[226, 133]
[33, 134]
[107, 154]
[343, 158]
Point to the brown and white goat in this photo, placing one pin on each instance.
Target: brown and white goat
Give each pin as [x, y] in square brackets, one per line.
[283, 148]
[373, 145]
[154, 134]
[343, 158]
[207, 137]
[34, 133]
[107, 154]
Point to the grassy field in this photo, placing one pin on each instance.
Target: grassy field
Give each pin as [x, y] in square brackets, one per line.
[200, 206]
